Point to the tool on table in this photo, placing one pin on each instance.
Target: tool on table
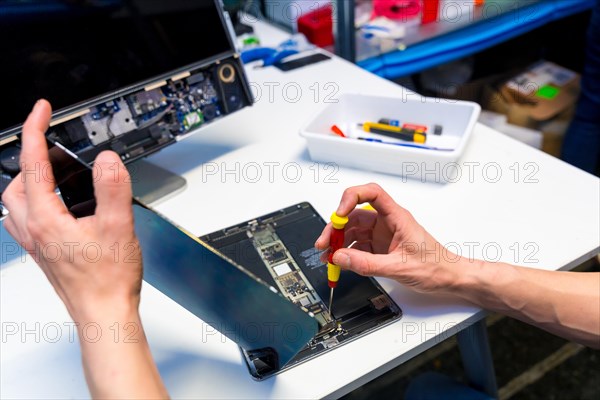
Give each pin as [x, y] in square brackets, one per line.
[388, 121]
[300, 62]
[394, 132]
[395, 122]
[274, 55]
[335, 129]
[336, 242]
[437, 129]
[415, 127]
[269, 56]
[416, 146]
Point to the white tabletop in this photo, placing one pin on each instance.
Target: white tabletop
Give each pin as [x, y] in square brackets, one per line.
[546, 217]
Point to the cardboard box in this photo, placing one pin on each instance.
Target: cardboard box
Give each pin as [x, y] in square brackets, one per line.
[545, 88]
[542, 98]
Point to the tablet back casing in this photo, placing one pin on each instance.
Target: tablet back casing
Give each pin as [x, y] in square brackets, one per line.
[219, 292]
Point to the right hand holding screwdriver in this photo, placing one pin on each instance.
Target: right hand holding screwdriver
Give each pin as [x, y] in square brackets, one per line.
[391, 243]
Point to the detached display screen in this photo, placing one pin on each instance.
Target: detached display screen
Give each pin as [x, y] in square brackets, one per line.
[69, 51]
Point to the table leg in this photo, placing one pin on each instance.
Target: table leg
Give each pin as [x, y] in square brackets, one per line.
[477, 358]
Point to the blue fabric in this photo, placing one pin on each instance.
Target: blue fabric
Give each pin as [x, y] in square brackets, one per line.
[473, 38]
[433, 386]
[581, 146]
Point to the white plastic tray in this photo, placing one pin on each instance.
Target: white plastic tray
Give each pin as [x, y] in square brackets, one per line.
[457, 118]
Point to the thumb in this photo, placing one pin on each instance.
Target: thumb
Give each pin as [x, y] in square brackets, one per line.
[112, 189]
[361, 262]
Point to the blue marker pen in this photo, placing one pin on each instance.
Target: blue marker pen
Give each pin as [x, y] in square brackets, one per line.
[416, 146]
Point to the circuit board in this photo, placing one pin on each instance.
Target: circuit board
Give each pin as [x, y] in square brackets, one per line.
[286, 273]
[168, 111]
[139, 123]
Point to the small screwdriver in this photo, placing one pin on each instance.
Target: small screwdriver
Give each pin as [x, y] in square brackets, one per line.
[395, 132]
[336, 242]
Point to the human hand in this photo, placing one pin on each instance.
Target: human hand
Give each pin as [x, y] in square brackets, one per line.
[390, 243]
[93, 263]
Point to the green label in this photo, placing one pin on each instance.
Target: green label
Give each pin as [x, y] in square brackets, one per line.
[548, 92]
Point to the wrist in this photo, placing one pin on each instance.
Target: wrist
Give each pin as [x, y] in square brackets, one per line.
[98, 332]
[106, 310]
[481, 282]
[468, 276]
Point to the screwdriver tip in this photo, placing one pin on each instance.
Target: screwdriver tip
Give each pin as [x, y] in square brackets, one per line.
[330, 302]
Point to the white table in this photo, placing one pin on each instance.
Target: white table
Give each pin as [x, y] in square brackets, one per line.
[556, 218]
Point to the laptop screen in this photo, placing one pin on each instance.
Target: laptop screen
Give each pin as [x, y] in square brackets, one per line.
[71, 51]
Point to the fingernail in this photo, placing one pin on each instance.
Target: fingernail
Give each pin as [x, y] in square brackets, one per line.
[342, 259]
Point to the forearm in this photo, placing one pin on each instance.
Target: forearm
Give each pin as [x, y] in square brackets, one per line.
[119, 364]
[564, 303]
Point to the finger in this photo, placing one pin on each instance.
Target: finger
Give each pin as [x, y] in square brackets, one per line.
[371, 193]
[357, 234]
[322, 242]
[112, 189]
[11, 228]
[15, 202]
[362, 262]
[366, 245]
[324, 257]
[361, 218]
[36, 172]
[358, 217]
[356, 240]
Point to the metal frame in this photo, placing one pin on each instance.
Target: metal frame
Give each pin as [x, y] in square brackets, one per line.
[345, 41]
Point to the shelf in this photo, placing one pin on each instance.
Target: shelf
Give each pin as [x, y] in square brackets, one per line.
[457, 37]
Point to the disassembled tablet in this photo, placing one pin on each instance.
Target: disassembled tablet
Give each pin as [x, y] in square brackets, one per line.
[279, 249]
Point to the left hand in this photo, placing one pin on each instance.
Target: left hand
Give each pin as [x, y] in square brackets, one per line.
[93, 263]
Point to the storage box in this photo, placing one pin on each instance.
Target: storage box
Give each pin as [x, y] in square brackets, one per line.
[457, 119]
[526, 102]
[317, 26]
[545, 88]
